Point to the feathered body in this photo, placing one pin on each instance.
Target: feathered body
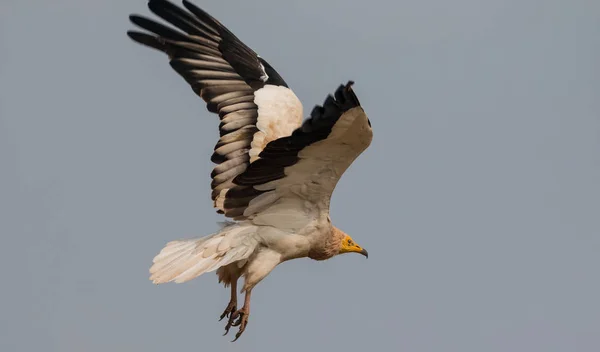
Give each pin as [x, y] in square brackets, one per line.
[275, 174]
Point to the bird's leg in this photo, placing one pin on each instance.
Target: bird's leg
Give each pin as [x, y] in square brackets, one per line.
[231, 307]
[242, 315]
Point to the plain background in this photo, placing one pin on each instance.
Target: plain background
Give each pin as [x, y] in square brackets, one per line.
[479, 199]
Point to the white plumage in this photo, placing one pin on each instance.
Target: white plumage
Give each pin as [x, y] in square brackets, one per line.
[181, 261]
[279, 114]
[275, 174]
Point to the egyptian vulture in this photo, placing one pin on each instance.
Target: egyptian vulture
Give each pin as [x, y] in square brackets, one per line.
[274, 173]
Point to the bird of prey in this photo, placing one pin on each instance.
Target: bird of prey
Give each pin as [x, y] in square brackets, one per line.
[274, 173]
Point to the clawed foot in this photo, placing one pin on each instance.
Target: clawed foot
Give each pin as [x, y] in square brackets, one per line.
[242, 321]
[231, 307]
[241, 315]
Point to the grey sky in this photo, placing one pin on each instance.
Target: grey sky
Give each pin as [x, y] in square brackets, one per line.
[479, 199]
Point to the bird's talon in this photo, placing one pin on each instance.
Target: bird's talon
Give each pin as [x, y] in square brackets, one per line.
[231, 307]
[228, 326]
[242, 322]
[229, 313]
[237, 323]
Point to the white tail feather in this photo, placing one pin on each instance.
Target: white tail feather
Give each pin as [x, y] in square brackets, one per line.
[181, 261]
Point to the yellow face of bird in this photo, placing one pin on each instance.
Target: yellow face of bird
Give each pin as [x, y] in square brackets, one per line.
[348, 245]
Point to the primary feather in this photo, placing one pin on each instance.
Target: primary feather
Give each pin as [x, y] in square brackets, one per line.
[274, 174]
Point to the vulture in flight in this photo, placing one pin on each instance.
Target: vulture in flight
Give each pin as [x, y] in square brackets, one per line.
[274, 172]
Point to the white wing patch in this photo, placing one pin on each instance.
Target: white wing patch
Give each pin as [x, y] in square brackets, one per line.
[279, 114]
[264, 77]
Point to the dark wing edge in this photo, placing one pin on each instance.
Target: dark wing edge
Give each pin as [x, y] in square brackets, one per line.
[283, 152]
[221, 69]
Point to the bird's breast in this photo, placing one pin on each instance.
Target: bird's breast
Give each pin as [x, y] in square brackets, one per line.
[289, 245]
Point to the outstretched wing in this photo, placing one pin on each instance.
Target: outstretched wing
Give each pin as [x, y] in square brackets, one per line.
[254, 104]
[298, 173]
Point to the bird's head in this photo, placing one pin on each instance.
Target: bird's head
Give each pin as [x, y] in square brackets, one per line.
[348, 246]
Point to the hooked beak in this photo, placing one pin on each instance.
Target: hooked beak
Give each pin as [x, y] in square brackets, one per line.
[364, 252]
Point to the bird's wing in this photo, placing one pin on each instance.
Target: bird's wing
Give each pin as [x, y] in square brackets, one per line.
[254, 104]
[296, 174]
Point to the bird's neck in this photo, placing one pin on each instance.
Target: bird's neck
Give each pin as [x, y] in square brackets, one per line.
[326, 245]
